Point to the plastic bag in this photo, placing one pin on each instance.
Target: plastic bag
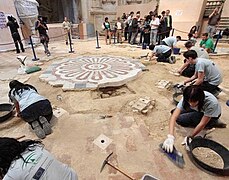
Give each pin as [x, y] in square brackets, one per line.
[21, 70]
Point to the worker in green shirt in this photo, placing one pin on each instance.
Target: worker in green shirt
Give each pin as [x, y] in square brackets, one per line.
[207, 43]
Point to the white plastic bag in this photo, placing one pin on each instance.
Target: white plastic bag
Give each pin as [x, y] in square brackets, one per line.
[21, 70]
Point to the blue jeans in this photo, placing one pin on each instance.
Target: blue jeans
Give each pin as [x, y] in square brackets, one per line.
[192, 119]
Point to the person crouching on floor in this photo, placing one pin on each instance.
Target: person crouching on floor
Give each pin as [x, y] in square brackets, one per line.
[163, 53]
[26, 160]
[31, 107]
[198, 109]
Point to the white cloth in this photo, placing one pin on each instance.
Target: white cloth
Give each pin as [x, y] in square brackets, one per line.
[26, 98]
[41, 164]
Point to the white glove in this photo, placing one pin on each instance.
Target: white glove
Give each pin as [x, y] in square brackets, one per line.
[184, 142]
[168, 143]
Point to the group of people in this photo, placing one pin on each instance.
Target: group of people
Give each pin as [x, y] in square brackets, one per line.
[152, 29]
[199, 107]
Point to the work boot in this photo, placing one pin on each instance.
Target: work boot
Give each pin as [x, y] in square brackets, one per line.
[46, 125]
[38, 130]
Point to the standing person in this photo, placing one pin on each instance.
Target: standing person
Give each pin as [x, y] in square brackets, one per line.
[213, 22]
[154, 28]
[26, 160]
[198, 109]
[171, 41]
[12, 23]
[42, 28]
[207, 43]
[134, 29]
[207, 74]
[162, 27]
[187, 69]
[129, 22]
[119, 30]
[67, 27]
[107, 29]
[31, 107]
[162, 53]
[168, 20]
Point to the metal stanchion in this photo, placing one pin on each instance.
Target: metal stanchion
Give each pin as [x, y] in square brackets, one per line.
[114, 32]
[97, 40]
[172, 31]
[34, 54]
[217, 40]
[70, 43]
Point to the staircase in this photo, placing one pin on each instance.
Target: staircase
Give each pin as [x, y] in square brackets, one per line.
[211, 5]
[224, 23]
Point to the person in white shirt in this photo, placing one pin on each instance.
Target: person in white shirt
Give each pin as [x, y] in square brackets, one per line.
[171, 41]
[162, 53]
[119, 26]
[67, 27]
[154, 29]
[27, 160]
[31, 107]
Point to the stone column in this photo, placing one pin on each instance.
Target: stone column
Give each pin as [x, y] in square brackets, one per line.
[84, 8]
[75, 11]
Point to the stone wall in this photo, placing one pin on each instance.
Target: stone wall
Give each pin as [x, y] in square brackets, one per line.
[185, 14]
[225, 12]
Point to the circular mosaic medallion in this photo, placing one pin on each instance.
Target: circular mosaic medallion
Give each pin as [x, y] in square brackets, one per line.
[90, 72]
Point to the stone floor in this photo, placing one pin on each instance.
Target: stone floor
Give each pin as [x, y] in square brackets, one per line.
[86, 129]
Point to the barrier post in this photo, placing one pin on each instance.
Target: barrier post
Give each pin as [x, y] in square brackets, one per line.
[70, 43]
[217, 40]
[114, 35]
[172, 31]
[97, 40]
[34, 54]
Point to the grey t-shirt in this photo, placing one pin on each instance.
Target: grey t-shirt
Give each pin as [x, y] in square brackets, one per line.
[211, 71]
[211, 107]
[170, 41]
[201, 52]
[159, 49]
[39, 165]
[214, 19]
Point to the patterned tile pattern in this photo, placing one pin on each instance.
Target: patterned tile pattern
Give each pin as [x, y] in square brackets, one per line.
[91, 72]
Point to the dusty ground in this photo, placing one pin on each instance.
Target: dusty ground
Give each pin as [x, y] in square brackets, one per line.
[135, 136]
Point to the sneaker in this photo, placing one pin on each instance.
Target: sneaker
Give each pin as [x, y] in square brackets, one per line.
[46, 125]
[38, 130]
[172, 60]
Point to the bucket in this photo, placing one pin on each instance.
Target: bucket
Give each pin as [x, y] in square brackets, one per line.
[176, 50]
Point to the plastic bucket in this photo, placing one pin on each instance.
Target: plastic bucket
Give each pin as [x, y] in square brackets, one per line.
[176, 50]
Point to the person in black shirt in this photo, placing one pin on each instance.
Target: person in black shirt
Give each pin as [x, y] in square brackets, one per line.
[12, 23]
[42, 28]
